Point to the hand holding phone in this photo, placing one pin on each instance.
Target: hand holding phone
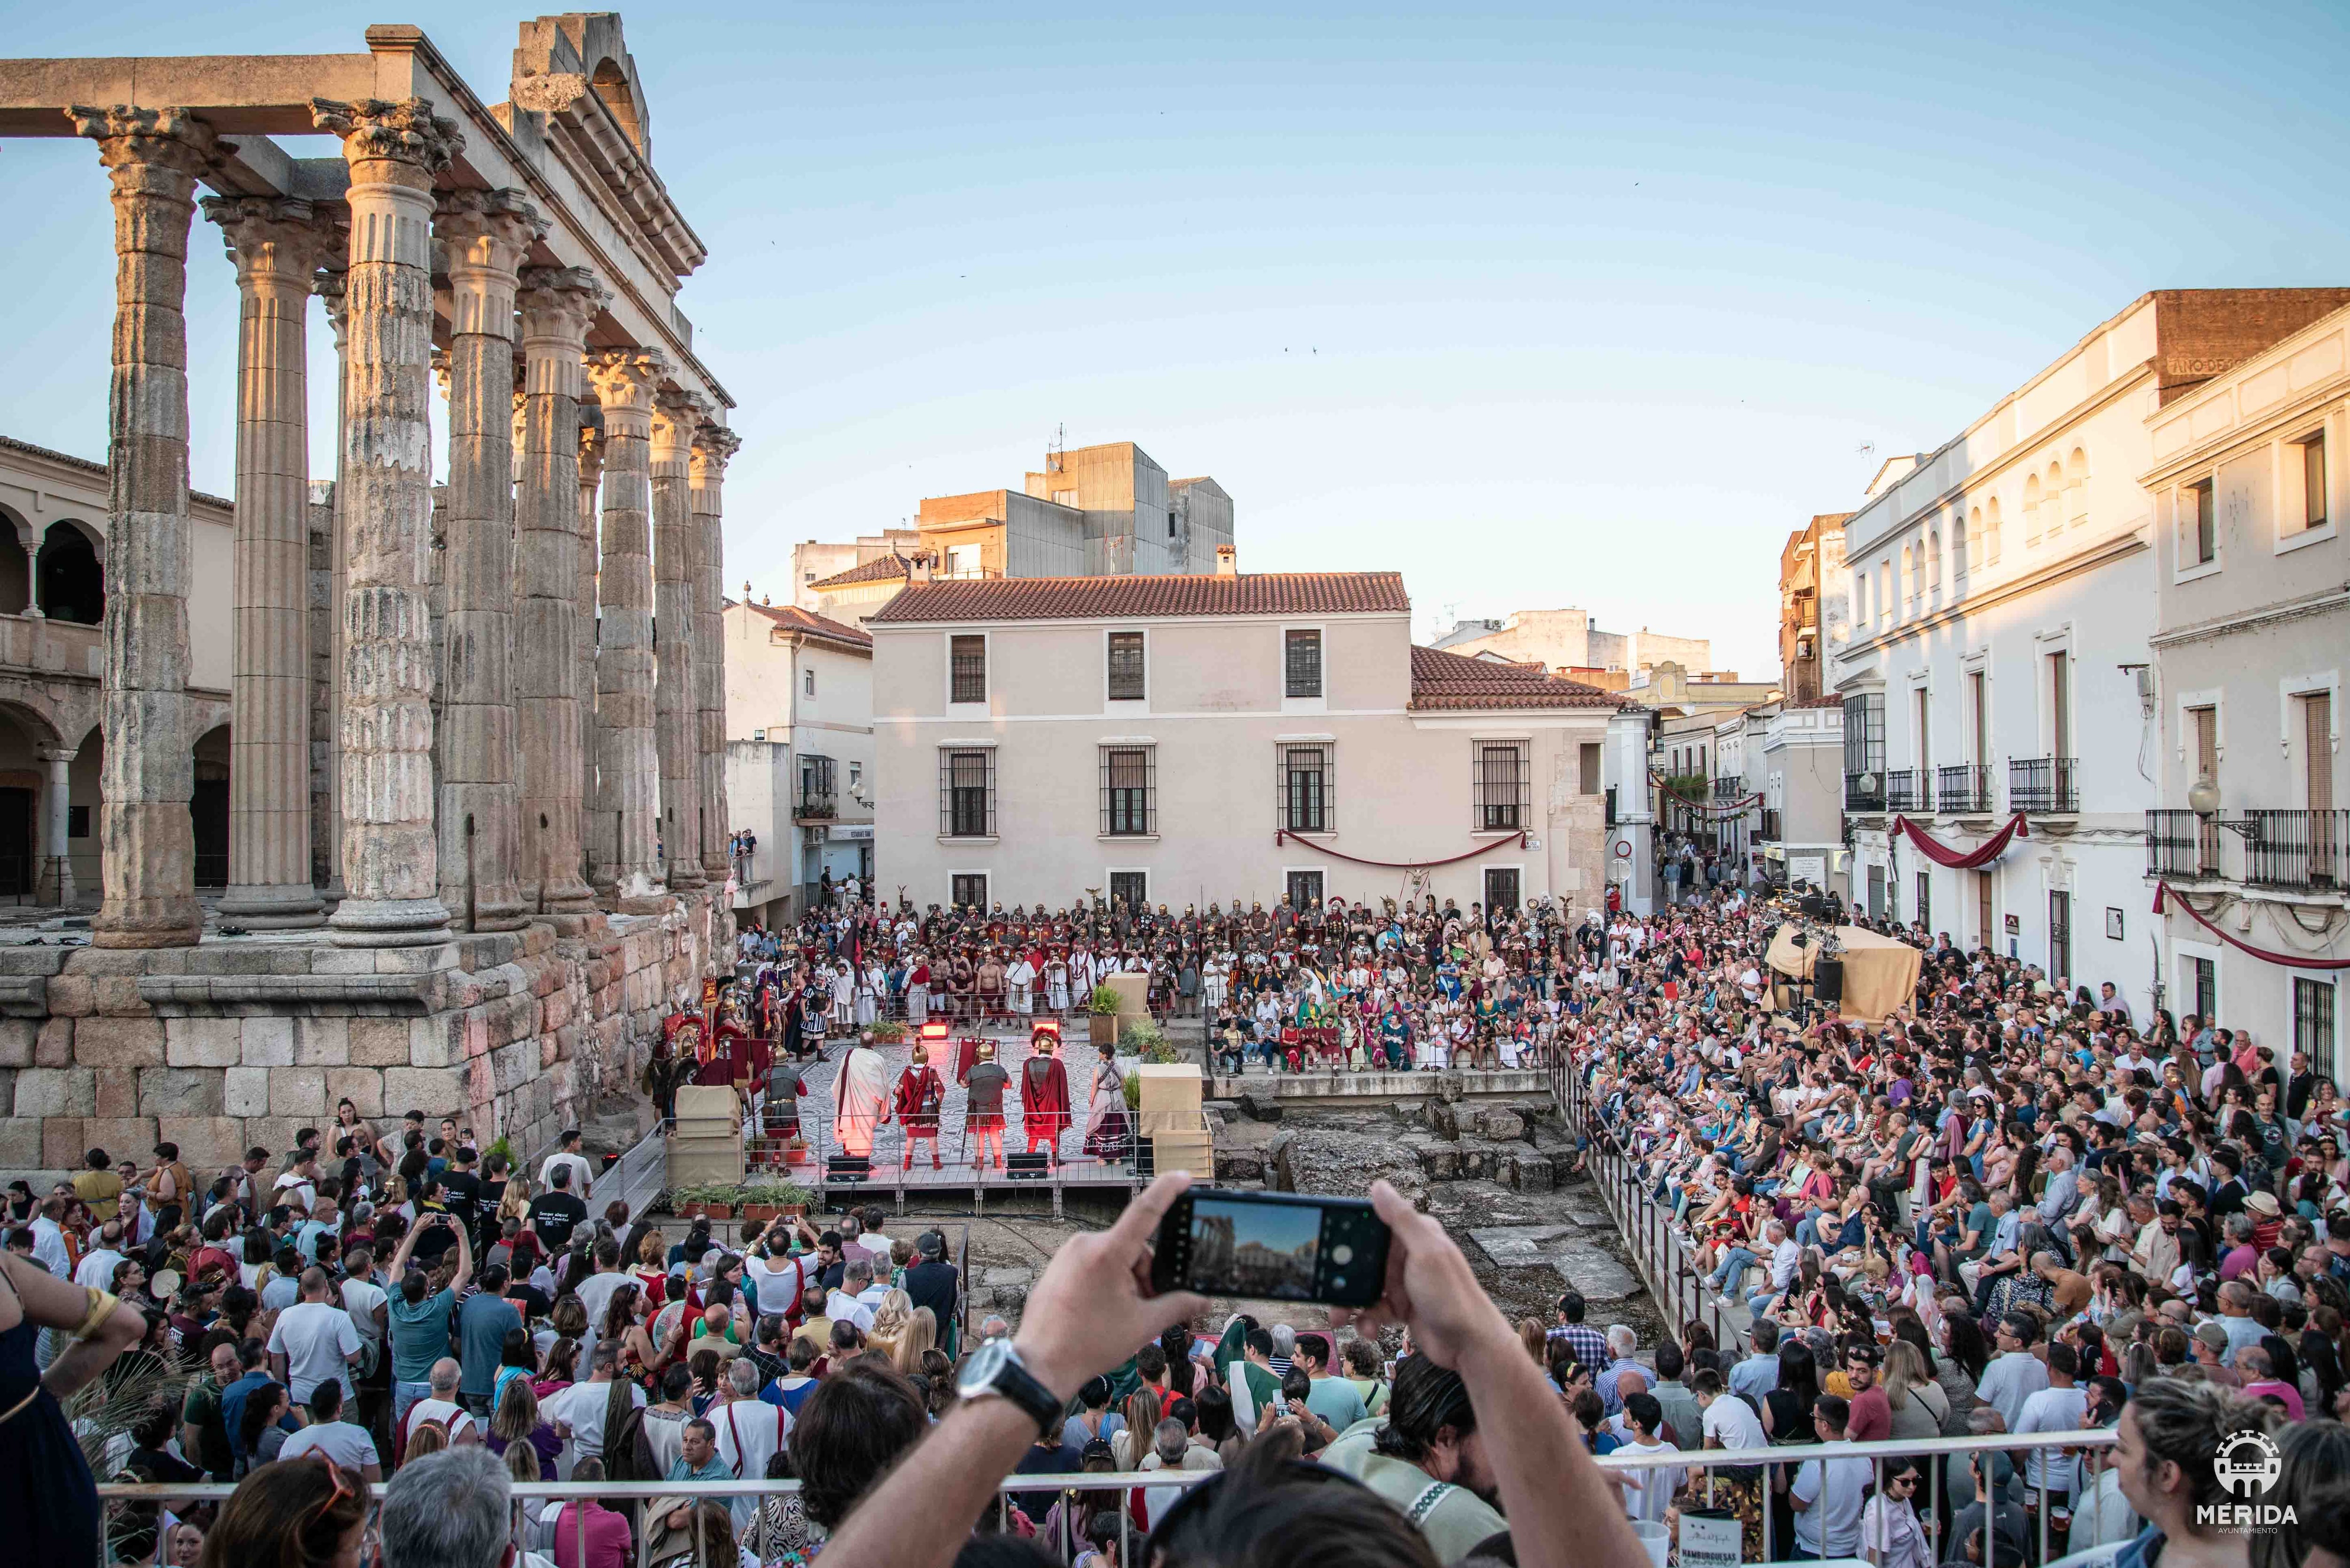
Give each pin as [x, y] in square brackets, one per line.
[1275, 1246]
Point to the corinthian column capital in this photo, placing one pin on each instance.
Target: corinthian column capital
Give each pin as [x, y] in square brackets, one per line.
[487, 234]
[275, 241]
[626, 380]
[406, 135]
[675, 415]
[558, 304]
[151, 151]
[591, 455]
[713, 447]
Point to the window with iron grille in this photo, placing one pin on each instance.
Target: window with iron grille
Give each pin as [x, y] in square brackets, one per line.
[1302, 783]
[1132, 889]
[969, 890]
[2312, 1023]
[1501, 783]
[1300, 663]
[1129, 776]
[1304, 887]
[1125, 667]
[967, 669]
[967, 795]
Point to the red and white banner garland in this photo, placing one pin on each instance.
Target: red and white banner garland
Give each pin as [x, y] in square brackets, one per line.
[2164, 892]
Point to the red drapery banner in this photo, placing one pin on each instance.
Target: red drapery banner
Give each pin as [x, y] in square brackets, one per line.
[1940, 854]
[1282, 836]
[2164, 891]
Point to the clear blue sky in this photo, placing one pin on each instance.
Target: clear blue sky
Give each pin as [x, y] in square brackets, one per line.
[1539, 309]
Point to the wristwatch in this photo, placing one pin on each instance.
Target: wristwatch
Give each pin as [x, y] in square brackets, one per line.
[996, 1368]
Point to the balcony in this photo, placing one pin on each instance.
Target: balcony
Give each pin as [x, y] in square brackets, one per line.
[1962, 790]
[2302, 851]
[1728, 788]
[1864, 792]
[2044, 786]
[2181, 844]
[1902, 789]
[817, 800]
[1772, 830]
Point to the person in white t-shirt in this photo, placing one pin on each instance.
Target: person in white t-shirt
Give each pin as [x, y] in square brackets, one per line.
[777, 1277]
[313, 1341]
[366, 1302]
[597, 1291]
[297, 1185]
[567, 1154]
[750, 1432]
[1828, 1495]
[1729, 1422]
[348, 1446]
[1648, 1493]
[441, 1407]
[577, 1412]
[845, 1304]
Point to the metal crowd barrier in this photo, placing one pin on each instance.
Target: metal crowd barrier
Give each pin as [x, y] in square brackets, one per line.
[527, 1494]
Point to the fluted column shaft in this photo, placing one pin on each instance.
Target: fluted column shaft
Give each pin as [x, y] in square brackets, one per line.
[558, 304]
[591, 559]
[153, 157]
[626, 775]
[391, 861]
[56, 883]
[328, 828]
[275, 244]
[676, 698]
[714, 445]
[486, 236]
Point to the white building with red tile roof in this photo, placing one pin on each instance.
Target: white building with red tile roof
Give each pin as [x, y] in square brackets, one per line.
[1197, 738]
[799, 754]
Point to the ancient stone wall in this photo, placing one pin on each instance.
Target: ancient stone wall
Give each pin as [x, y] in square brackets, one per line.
[239, 1042]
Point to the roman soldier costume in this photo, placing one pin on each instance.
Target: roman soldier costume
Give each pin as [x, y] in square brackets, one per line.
[916, 1102]
[1044, 1093]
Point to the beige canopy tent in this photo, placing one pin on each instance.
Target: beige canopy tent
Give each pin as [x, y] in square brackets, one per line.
[1879, 973]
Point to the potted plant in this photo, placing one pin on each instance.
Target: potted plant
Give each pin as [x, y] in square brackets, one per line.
[775, 1199]
[889, 1031]
[712, 1199]
[1144, 1038]
[1102, 1009]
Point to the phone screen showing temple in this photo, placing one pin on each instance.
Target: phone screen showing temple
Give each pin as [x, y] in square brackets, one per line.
[1266, 1250]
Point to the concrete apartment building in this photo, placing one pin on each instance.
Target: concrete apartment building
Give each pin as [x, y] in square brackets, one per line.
[2005, 599]
[1569, 642]
[799, 754]
[2251, 634]
[1194, 738]
[1095, 512]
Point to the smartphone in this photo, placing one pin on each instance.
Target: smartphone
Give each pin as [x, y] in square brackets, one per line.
[1275, 1246]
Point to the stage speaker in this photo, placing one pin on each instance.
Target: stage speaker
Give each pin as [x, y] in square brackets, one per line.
[1028, 1167]
[1827, 982]
[847, 1169]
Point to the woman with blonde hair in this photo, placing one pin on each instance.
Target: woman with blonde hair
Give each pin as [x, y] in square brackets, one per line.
[1142, 1412]
[891, 1320]
[1919, 1405]
[922, 1337]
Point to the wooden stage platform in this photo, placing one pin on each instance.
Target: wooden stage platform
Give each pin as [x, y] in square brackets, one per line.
[890, 1177]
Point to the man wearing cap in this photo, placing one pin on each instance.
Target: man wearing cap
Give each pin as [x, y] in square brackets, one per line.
[2209, 1342]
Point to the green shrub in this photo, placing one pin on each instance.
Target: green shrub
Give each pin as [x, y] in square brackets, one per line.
[1103, 1003]
[889, 1031]
[1134, 1092]
[781, 1194]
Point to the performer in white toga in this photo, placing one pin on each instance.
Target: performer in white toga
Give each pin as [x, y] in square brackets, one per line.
[857, 1097]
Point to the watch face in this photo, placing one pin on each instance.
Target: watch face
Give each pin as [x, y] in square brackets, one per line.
[979, 1372]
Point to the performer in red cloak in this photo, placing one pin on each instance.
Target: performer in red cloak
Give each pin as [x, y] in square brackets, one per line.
[1045, 1091]
[914, 1104]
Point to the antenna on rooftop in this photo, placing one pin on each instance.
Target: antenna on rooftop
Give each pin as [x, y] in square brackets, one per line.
[1055, 456]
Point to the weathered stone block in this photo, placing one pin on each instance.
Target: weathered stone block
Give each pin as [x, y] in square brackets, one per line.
[1239, 1165]
[57, 1092]
[244, 1091]
[298, 1090]
[17, 1038]
[203, 1042]
[117, 996]
[415, 960]
[20, 1143]
[1532, 1173]
[71, 996]
[343, 960]
[54, 1048]
[435, 1091]
[322, 1042]
[1444, 1120]
[363, 1086]
[381, 1041]
[1500, 1125]
[206, 1143]
[62, 1147]
[117, 1091]
[267, 1041]
[181, 1092]
[100, 1042]
[122, 1137]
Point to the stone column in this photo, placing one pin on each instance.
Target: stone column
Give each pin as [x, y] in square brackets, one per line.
[390, 866]
[714, 445]
[56, 881]
[558, 304]
[591, 475]
[275, 244]
[328, 830]
[486, 235]
[676, 698]
[153, 157]
[625, 380]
